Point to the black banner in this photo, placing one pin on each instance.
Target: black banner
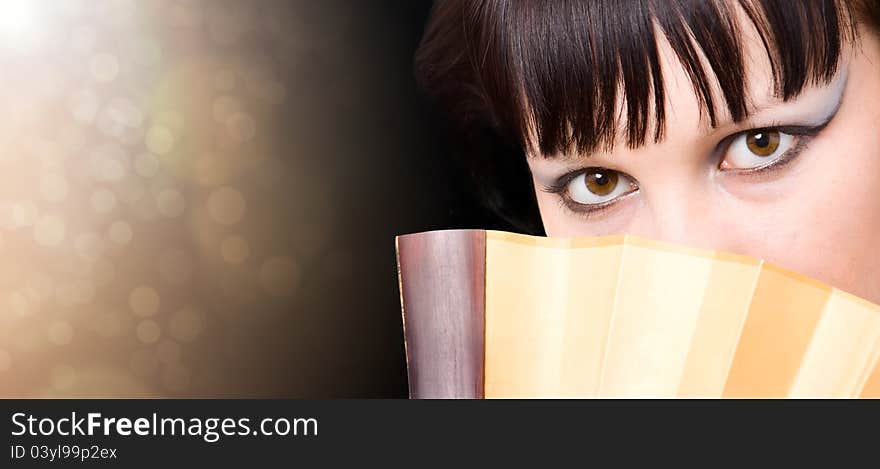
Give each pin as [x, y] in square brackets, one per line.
[178, 433]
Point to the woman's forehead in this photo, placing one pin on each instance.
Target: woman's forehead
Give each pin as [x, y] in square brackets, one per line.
[682, 102]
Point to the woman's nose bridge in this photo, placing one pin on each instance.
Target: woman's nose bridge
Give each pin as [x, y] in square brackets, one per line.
[692, 218]
[681, 201]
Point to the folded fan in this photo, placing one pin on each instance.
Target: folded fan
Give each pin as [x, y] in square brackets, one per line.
[490, 314]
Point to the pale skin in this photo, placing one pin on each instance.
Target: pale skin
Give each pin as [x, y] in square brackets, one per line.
[817, 213]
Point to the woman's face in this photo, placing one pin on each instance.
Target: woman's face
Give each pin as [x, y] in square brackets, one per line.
[797, 184]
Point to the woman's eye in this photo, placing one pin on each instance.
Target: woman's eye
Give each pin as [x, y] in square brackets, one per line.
[598, 186]
[756, 148]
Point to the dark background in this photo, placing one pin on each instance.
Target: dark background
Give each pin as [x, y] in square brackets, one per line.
[396, 172]
[199, 198]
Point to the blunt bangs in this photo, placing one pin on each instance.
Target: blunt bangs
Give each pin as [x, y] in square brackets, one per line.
[551, 74]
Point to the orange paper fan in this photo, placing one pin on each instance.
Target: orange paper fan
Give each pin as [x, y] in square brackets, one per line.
[490, 314]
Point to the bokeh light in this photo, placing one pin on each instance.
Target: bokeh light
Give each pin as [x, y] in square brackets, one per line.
[144, 222]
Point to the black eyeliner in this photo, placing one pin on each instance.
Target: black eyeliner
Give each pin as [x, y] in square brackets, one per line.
[561, 184]
[592, 210]
[803, 134]
[778, 164]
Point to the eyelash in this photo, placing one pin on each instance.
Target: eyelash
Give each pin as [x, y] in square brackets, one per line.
[595, 210]
[803, 134]
[561, 185]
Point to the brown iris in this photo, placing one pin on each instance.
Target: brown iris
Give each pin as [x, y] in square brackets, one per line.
[762, 142]
[601, 181]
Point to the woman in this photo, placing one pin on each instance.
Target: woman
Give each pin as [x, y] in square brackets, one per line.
[750, 126]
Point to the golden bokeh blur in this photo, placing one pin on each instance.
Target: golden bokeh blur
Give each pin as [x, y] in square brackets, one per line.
[139, 171]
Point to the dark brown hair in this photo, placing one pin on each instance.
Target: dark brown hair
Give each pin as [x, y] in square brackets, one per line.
[547, 74]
